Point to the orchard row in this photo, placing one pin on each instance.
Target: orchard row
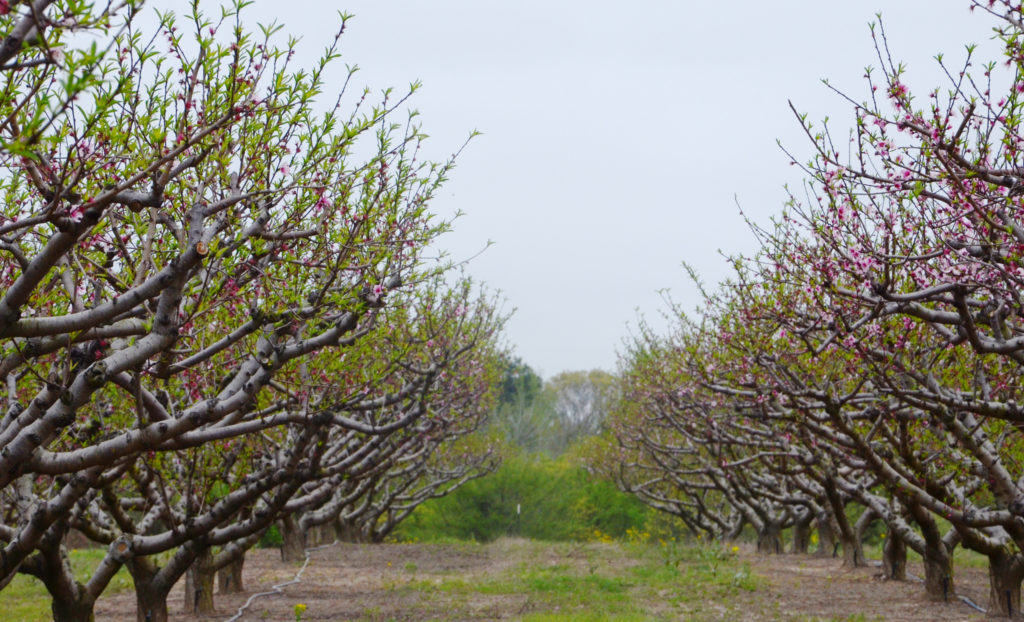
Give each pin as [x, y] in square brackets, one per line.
[867, 360]
[218, 309]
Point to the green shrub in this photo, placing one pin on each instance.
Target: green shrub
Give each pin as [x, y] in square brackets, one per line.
[532, 496]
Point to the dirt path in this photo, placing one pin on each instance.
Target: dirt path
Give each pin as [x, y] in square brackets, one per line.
[472, 582]
[813, 587]
[351, 582]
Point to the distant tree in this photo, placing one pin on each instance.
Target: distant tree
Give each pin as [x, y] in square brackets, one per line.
[519, 382]
[581, 401]
[550, 416]
[522, 416]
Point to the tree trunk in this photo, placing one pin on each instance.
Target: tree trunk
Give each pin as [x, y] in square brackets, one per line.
[293, 542]
[150, 595]
[199, 584]
[150, 603]
[229, 578]
[1004, 578]
[348, 532]
[69, 600]
[894, 557]
[313, 536]
[381, 531]
[325, 534]
[938, 572]
[769, 539]
[826, 535]
[853, 554]
[937, 555]
[802, 535]
[71, 611]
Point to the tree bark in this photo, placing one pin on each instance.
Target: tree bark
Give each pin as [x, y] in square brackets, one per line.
[150, 605]
[348, 532]
[381, 531]
[199, 584]
[894, 557]
[853, 553]
[826, 535]
[71, 611]
[69, 600]
[326, 532]
[314, 536]
[802, 535]
[938, 572]
[293, 541]
[937, 555]
[150, 592]
[769, 539]
[229, 578]
[1005, 573]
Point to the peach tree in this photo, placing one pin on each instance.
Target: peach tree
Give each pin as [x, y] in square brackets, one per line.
[190, 222]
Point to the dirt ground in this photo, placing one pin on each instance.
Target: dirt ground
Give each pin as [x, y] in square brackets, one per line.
[812, 587]
[364, 582]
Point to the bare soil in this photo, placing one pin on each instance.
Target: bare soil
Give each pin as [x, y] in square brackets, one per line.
[392, 582]
[805, 587]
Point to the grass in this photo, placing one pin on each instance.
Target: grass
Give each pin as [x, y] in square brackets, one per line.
[26, 599]
[601, 581]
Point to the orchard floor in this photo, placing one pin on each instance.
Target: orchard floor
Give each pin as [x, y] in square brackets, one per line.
[516, 579]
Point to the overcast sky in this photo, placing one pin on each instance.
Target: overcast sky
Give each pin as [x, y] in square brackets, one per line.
[618, 136]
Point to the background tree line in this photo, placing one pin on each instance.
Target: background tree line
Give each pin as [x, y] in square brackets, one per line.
[542, 489]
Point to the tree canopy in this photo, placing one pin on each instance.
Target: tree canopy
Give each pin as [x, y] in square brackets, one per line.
[217, 312]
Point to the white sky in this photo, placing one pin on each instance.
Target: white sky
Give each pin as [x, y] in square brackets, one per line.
[616, 134]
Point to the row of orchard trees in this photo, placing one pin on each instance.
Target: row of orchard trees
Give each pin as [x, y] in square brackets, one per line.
[216, 313]
[871, 353]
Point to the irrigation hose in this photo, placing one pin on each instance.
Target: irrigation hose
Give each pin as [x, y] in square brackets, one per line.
[279, 587]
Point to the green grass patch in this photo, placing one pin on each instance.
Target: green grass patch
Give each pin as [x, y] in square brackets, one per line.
[520, 498]
[601, 581]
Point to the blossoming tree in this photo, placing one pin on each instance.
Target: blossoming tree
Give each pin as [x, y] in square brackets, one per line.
[192, 229]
